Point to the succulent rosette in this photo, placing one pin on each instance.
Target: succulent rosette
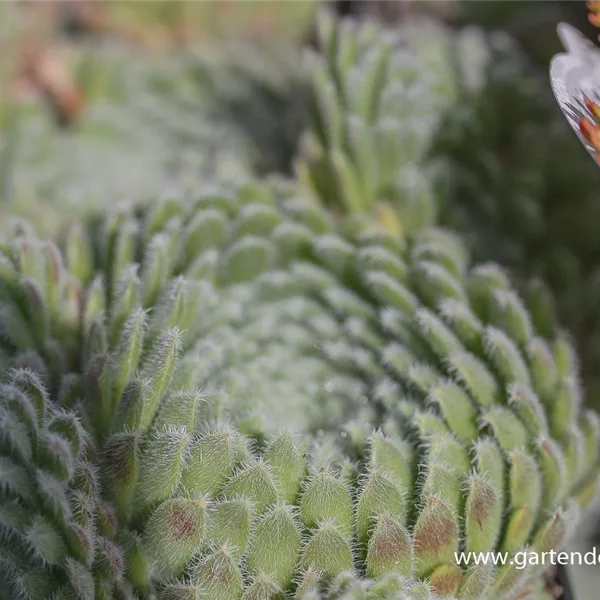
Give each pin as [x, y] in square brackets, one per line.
[233, 394]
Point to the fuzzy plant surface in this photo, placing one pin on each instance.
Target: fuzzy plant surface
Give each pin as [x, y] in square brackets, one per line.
[393, 133]
[378, 99]
[233, 396]
[428, 124]
[519, 202]
[149, 121]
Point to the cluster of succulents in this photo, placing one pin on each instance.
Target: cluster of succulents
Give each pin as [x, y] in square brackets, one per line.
[151, 120]
[519, 200]
[378, 102]
[233, 393]
[427, 124]
[228, 397]
[134, 128]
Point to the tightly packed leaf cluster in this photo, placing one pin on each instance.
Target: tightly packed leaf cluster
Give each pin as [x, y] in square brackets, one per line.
[378, 102]
[134, 129]
[233, 394]
[150, 121]
[428, 125]
[133, 467]
[517, 200]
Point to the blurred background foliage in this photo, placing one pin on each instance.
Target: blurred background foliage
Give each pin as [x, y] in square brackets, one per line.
[104, 101]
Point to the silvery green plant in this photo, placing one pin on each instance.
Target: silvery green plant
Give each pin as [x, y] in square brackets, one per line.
[428, 121]
[379, 100]
[151, 119]
[232, 396]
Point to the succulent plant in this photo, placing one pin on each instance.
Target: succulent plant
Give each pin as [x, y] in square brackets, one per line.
[456, 127]
[232, 396]
[150, 121]
[378, 101]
